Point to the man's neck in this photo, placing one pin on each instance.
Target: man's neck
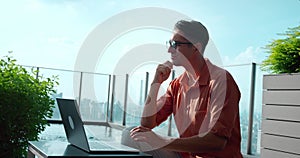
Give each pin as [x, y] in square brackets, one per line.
[194, 69]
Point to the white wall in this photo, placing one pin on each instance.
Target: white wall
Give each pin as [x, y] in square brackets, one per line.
[281, 116]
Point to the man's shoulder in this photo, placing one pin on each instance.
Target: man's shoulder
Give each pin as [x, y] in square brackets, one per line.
[221, 74]
[176, 81]
[213, 67]
[216, 72]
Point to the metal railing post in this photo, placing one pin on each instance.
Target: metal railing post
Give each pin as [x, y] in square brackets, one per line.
[125, 100]
[112, 98]
[170, 118]
[37, 73]
[251, 108]
[80, 88]
[141, 101]
[108, 98]
[146, 85]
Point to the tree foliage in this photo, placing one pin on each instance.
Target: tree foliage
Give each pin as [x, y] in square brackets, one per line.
[284, 54]
[25, 104]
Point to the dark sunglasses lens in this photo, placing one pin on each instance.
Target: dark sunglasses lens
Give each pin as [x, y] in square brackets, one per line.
[173, 44]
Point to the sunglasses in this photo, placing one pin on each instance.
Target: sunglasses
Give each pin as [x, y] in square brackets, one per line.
[174, 44]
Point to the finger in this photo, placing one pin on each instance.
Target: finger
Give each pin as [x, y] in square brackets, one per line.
[164, 70]
[163, 67]
[134, 132]
[168, 64]
[145, 128]
[139, 129]
[139, 136]
[134, 129]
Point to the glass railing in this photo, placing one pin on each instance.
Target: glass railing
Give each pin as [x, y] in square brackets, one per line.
[119, 99]
[249, 80]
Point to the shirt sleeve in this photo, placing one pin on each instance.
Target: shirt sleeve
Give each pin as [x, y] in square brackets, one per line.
[224, 108]
[165, 104]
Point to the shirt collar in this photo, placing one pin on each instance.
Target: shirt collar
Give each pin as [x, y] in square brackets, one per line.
[204, 73]
[204, 77]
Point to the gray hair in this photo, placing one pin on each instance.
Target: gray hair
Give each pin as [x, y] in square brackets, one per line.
[194, 32]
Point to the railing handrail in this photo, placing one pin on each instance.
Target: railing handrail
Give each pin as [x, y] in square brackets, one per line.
[99, 73]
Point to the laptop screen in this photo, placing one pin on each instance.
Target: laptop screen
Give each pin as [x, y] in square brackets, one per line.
[72, 123]
[76, 134]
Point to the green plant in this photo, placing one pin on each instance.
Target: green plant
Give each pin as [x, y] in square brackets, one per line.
[25, 104]
[284, 53]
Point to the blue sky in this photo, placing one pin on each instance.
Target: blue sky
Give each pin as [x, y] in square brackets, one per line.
[50, 33]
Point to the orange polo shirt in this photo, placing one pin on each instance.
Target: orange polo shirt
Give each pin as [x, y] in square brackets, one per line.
[210, 104]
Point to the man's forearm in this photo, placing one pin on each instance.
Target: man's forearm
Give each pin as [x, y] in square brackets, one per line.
[150, 109]
[197, 144]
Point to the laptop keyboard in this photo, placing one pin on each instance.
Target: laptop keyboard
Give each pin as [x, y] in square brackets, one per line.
[100, 145]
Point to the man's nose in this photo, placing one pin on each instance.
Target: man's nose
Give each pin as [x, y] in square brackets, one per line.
[171, 50]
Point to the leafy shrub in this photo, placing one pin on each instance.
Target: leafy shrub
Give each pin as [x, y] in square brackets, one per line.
[284, 53]
[25, 104]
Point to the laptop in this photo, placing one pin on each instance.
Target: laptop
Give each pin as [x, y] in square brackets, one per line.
[76, 134]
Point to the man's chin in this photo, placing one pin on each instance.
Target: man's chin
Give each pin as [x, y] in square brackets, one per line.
[175, 63]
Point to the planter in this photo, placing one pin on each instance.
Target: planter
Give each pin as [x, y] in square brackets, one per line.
[280, 136]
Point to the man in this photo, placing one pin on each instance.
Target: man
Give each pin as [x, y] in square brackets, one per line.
[204, 101]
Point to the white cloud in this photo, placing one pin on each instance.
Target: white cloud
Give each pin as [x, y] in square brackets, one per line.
[247, 56]
[251, 54]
